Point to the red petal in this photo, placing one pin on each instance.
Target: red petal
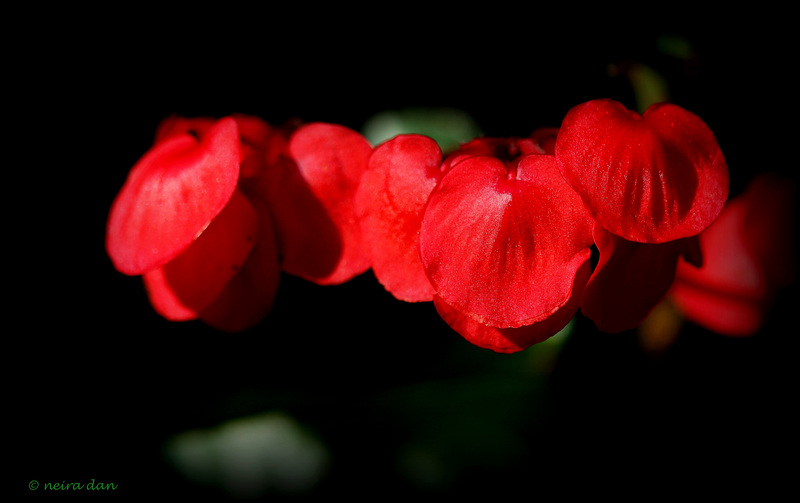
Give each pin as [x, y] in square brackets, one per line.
[249, 296]
[652, 178]
[512, 340]
[182, 288]
[729, 294]
[502, 148]
[254, 135]
[313, 203]
[170, 196]
[390, 202]
[503, 247]
[630, 280]
[309, 243]
[723, 314]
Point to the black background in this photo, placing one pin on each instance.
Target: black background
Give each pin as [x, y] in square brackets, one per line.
[98, 381]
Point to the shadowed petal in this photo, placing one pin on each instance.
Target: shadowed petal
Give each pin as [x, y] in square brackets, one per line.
[185, 286]
[176, 125]
[248, 297]
[630, 279]
[545, 139]
[312, 198]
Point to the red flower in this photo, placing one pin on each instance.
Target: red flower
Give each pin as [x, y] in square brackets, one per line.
[631, 278]
[390, 202]
[502, 240]
[491, 234]
[648, 178]
[749, 257]
[309, 183]
[497, 234]
[183, 222]
[651, 182]
[392, 197]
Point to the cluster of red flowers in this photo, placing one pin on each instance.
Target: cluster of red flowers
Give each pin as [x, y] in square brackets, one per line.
[498, 234]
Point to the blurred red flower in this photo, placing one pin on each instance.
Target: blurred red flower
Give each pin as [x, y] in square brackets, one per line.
[749, 257]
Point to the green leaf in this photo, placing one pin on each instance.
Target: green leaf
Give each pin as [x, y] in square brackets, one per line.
[448, 126]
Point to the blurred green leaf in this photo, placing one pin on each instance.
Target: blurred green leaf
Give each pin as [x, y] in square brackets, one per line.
[448, 126]
[250, 456]
[676, 46]
[649, 86]
[478, 418]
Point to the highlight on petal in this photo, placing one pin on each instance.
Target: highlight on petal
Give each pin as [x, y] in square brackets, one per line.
[749, 257]
[502, 243]
[630, 279]
[512, 340]
[390, 202]
[650, 178]
[311, 194]
[181, 289]
[172, 193]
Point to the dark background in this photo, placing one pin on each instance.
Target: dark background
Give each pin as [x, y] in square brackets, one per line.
[99, 382]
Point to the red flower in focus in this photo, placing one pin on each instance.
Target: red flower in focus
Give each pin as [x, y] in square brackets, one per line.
[392, 197]
[749, 256]
[649, 178]
[496, 234]
[204, 249]
[425, 220]
[651, 182]
[505, 242]
[390, 202]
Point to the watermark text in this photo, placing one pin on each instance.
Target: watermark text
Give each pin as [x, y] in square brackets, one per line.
[64, 485]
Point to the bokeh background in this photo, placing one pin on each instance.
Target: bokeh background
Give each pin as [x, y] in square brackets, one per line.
[344, 390]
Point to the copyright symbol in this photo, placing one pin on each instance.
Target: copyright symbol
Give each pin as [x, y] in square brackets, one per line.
[33, 485]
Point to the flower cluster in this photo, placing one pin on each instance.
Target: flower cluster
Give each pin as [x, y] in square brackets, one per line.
[214, 212]
[497, 234]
